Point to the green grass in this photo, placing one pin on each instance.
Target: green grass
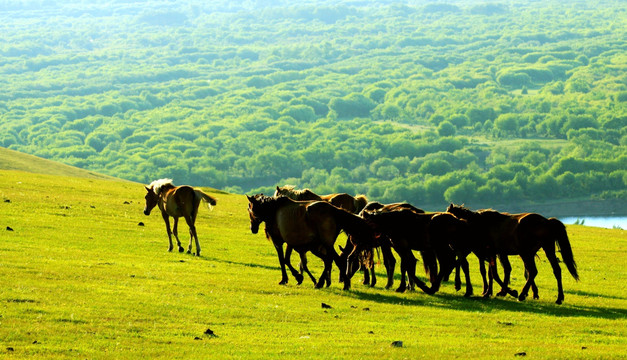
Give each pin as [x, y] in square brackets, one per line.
[79, 278]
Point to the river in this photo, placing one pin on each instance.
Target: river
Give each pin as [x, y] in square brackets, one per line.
[609, 222]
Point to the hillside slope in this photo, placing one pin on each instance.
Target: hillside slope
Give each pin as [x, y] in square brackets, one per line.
[81, 278]
[15, 160]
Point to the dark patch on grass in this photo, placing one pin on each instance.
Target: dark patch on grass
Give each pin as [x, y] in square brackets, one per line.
[22, 301]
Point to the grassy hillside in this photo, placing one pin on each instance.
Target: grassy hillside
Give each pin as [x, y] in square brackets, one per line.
[15, 160]
[80, 278]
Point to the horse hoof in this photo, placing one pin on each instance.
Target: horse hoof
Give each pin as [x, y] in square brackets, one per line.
[400, 290]
[283, 282]
[558, 302]
[501, 293]
[514, 293]
[181, 249]
[536, 297]
[522, 298]
[299, 278]
[468, 294]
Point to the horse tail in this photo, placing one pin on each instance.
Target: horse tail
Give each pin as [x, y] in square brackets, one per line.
[206, 198]
[430, 264]
[360, 203]
[559, 231]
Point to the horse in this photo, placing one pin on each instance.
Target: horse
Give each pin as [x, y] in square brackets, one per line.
[353, 204]
[177, 201]
[429, 233]
[365, 259]
[523, 234]
[343, 201]
[304, 226]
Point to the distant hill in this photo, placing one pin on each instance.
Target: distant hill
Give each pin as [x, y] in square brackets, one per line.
[15, 160]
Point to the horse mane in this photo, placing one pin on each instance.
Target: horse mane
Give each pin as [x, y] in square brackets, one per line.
[158, 185]
[291, 192]
[461, 209]
[360, 203]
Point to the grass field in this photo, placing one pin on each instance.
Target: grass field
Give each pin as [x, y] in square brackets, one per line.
[81, 279]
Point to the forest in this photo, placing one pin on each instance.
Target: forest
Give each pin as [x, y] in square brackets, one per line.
[482, 103]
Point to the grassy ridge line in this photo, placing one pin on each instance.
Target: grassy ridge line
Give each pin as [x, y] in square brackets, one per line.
[80, 279]
[15, 160]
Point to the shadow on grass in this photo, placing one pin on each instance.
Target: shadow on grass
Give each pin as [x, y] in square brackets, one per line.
[251, 265]
[480, 304]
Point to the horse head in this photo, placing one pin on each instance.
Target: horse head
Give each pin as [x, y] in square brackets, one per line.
[253, 209]
[151, 200]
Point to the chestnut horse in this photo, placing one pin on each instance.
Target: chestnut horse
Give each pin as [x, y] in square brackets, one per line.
[522, 234]
[176, 201]
[304, 226]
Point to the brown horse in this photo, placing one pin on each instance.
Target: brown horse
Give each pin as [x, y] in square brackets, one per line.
[522, 234]
[365, 259]
[343, 201]
[304, 226]
[429, 233]
[176, 201]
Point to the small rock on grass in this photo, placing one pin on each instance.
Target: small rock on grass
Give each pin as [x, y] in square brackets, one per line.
[396, 343]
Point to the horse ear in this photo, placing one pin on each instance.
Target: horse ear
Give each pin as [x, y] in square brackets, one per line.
[147, 188]
[277, 188]
[250, 198]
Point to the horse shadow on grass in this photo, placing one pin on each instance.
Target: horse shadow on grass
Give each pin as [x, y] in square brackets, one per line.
[495, 304]
[245, 264]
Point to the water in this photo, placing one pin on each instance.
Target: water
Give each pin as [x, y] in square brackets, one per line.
[609, 222]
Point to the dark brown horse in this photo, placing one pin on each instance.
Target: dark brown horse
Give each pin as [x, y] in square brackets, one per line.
[365, 259]
[429, 233]
[305, 226]
[176, 201]
[522, 234]
[343, 201]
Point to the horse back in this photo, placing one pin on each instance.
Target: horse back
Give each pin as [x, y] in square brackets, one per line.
[343, 201]
[180, 201]
[292, 223]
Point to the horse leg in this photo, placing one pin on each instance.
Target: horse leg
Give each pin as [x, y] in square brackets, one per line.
[464, 265]
[507, 271]
[411, 274]
[390, 263]
[168, 230]
[193, 236]
[326, 273]
[304, 268]
[403, 285]
[557, 271]
[279, 250]
[530, 267]
[458, 280]
[288, 255]
[366, 275]
[176, 235]
[486, 287]
[373, 277]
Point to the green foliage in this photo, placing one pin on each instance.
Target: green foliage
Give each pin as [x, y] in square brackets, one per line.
[398, 101]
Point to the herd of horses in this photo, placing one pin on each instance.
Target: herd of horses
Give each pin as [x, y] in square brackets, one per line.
[307, 222]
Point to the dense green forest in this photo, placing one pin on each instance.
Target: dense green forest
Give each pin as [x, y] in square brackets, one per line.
[483, 103]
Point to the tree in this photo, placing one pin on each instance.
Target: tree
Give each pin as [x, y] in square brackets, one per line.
[446, 129]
